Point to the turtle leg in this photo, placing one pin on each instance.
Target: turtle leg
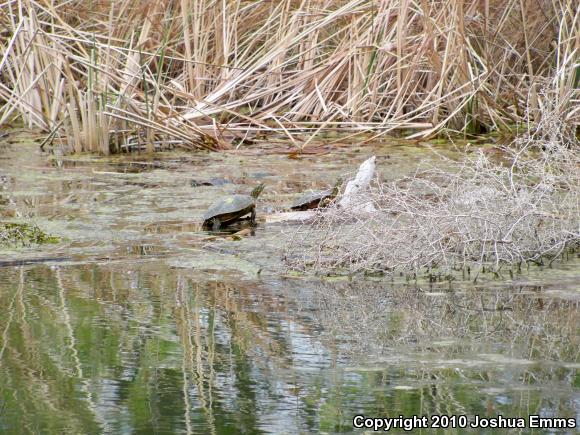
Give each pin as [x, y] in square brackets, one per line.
[253, 217]
[215, 224]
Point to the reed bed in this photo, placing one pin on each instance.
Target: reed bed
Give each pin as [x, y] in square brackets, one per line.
[109, 76]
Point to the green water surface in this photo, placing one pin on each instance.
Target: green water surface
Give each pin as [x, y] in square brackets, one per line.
[139, 322]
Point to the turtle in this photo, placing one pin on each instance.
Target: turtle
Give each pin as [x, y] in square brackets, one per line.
[231, 208]
[317, 198]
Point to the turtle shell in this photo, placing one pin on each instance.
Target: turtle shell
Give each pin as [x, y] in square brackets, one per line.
[311, 199]
[230, 208]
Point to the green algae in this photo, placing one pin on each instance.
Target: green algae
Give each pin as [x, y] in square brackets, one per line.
[24, 234]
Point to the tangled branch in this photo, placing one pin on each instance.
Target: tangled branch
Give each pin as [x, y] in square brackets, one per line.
[520, 207]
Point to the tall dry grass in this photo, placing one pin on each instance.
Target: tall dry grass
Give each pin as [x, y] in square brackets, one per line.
[103, 75]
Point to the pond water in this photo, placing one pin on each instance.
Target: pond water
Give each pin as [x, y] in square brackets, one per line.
[140, 322]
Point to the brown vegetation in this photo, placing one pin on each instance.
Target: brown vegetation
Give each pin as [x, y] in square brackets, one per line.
[112, 75]
[482, 214]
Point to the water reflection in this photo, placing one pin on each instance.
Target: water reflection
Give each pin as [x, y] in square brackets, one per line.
[145, 348]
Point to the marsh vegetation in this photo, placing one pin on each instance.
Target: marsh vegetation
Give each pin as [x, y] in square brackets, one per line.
[517, 207]
[446, 283]
[112, 76]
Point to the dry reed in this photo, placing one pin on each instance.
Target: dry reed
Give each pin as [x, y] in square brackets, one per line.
[106, 74]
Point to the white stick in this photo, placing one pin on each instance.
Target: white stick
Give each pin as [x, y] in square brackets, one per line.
[354, 187]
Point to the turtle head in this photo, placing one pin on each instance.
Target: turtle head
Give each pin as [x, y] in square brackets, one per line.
[257, 190]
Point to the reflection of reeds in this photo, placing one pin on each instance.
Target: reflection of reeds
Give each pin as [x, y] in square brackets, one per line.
[193, 70]
[218, 344]
[190, 330]
[10, 317]
[33, 369]
[71, 345]
[184, 329]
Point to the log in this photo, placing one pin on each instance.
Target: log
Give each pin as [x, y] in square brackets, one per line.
[358, 185]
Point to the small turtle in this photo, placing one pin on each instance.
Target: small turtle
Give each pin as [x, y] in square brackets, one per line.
[317, 198]
[230, 209]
